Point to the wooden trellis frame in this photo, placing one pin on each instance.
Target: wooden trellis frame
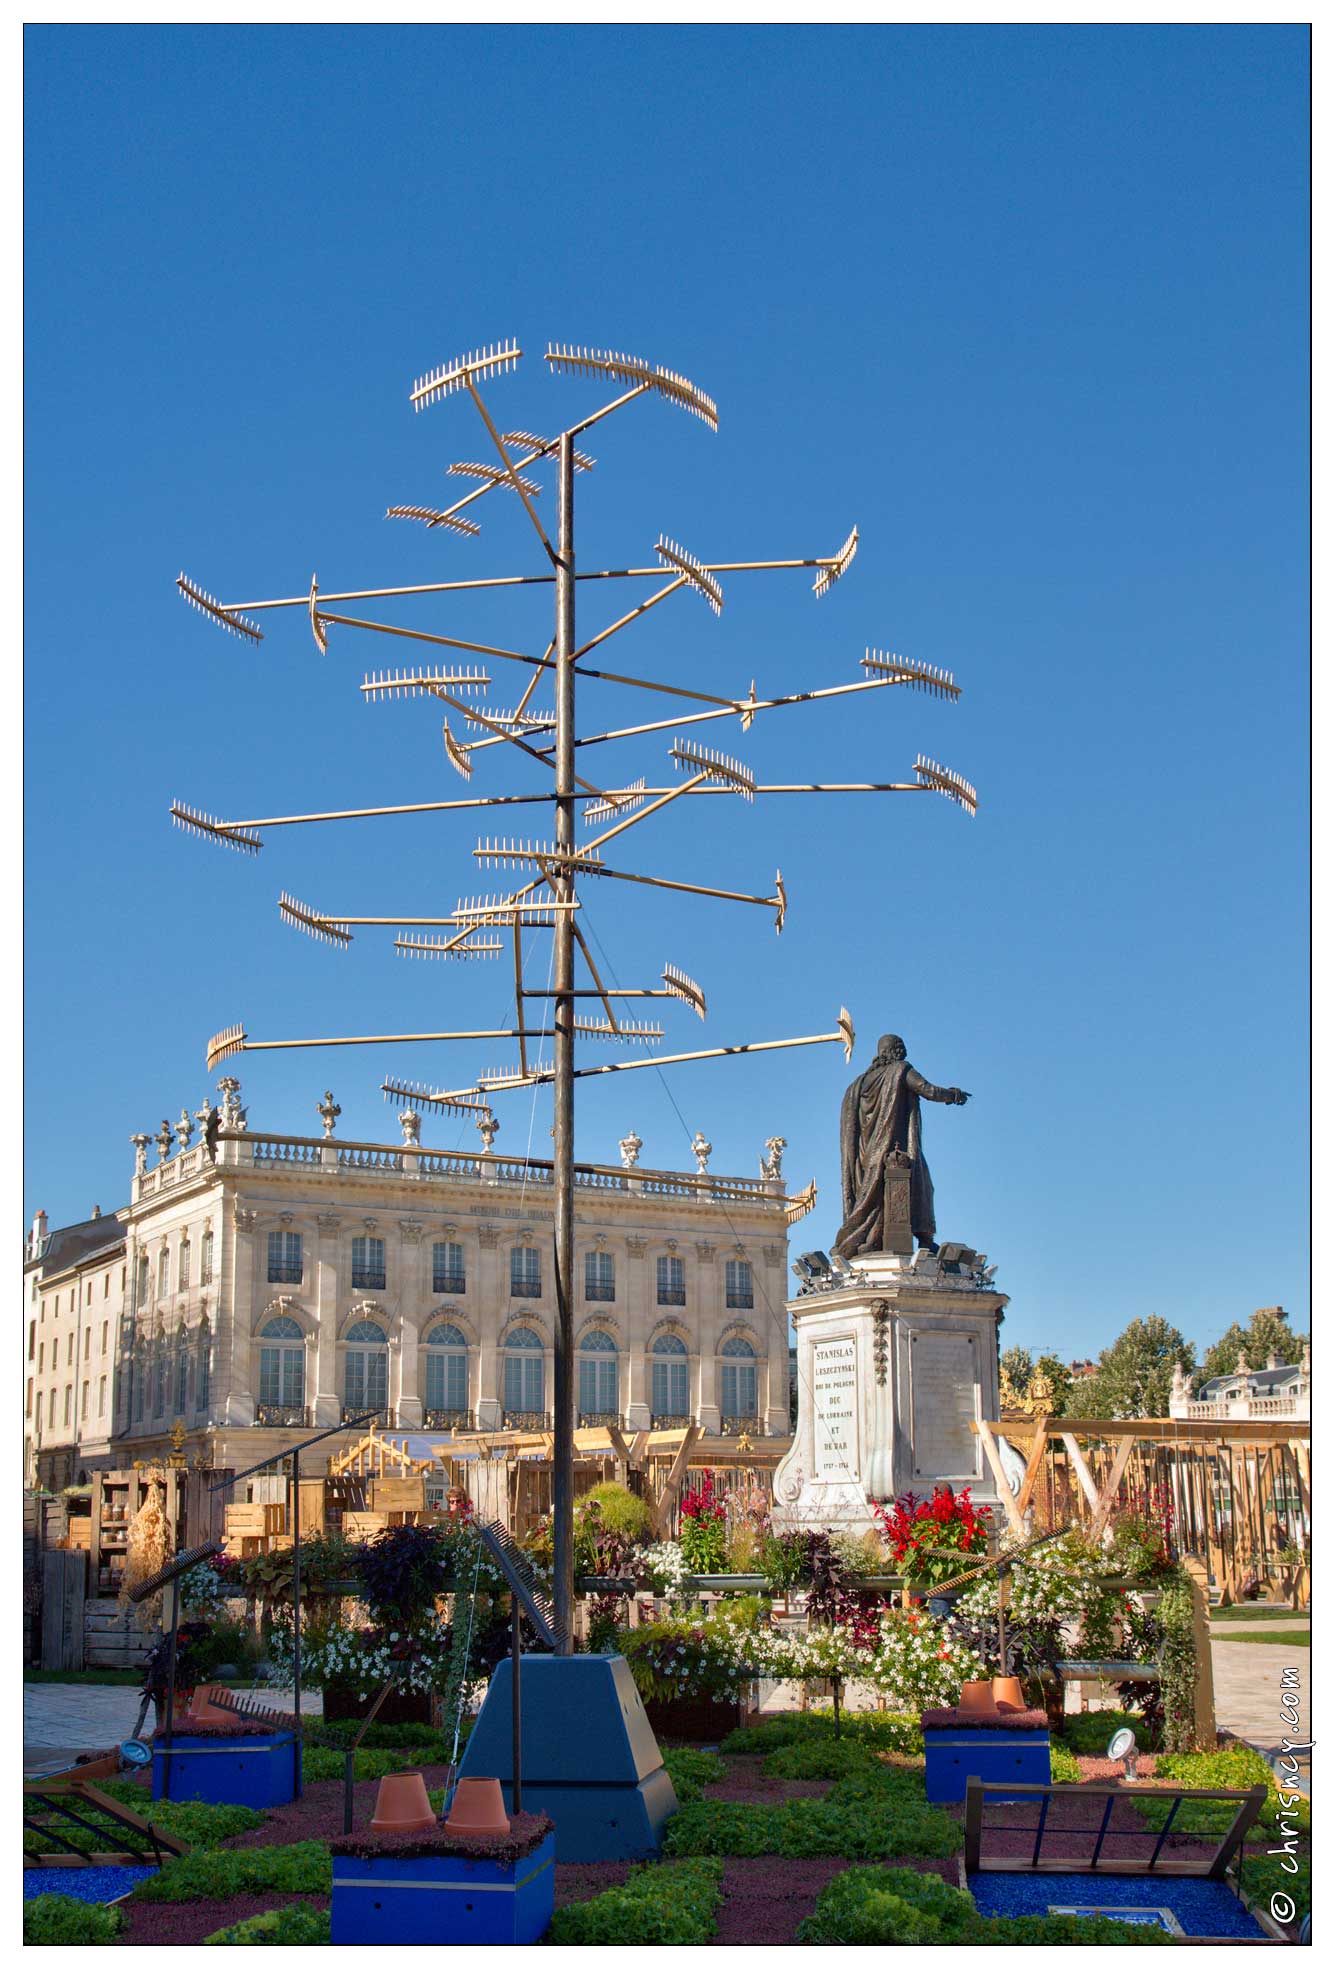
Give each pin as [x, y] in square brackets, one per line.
[1235, 1486]
[1248, 1804]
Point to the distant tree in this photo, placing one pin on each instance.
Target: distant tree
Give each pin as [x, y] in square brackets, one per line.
[1059, 1378]
[1018, 1364]
[1266, 1332]
[1135, 1374]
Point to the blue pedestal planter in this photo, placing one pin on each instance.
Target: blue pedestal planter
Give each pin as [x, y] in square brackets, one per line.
[443, 1898]
[228, 1770]
[958, 1748]
[591, 1761]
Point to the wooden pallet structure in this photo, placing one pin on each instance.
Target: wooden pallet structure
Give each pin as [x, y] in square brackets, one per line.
[1239, 1490]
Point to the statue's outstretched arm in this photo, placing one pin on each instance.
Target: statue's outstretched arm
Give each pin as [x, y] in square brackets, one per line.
[953, 1097]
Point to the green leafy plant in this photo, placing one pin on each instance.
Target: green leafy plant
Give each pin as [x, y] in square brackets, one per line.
[690, 1769]
[619, 1511]
[876, 1813]
[703, 1536]
[59, 1920]
[1177, 1665]
[882, 1729]
[820, 1757]
[1066, 1931]
[296, 1925]
[1265, 1875]
[888, 1904]
[1089, 1733]
[303, 1868]
[202, 1827]
[673, 1904]
[320, 1764]
[783, 1559]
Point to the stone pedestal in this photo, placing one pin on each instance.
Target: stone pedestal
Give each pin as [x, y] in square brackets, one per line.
[895, 1359]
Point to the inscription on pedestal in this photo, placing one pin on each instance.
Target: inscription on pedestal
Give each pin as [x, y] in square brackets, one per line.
[834, 1387]
[944, 1381]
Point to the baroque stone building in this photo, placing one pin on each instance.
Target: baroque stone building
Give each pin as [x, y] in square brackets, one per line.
[260, 1286]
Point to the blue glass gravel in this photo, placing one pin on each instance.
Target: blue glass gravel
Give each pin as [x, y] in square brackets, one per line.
[1203, 1907]
[83, 1883]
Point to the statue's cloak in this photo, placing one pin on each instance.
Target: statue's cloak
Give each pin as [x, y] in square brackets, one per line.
[880, 1114]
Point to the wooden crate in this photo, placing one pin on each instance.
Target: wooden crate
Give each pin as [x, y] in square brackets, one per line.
[363, 1524]
[112, 1637]
[398, 1493]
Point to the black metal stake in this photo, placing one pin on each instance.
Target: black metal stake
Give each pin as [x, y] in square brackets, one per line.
[296, 1622]
[516, 1708]
[171, 1688]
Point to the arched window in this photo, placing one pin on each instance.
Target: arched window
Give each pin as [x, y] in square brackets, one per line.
[282, 1368]
[525, 1384]
[597, 1376]
[670, 1392]
[446, 1372]
[366, 1367]
[737, 1379]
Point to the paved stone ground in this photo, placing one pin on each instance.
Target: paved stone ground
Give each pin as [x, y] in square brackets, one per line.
[62, 1718]
[1248, 1681]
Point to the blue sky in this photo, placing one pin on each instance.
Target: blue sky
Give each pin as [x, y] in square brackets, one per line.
[1029, 306]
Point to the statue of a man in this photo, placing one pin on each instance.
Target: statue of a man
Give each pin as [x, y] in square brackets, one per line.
[880, 1127]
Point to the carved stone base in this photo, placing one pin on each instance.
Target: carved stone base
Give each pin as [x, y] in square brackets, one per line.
[893, 1366]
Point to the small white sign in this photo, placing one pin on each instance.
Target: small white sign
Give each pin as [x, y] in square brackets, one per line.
[834, 1387]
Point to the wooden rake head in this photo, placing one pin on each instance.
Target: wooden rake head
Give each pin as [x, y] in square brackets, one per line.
[489, 910]
[565, 358]
[846, 1032]
[418, 1095]
[431, 516]
[494, 360]
[696, 573]
[456, 754]
[243, 839]
[319, 627]
[533, 854]
[232, 1039]
[239, 625]
[780, 903]
[522, 722]
[691, 757]
[380, 684]
[474, 946]
[684, 988]
[629, 1032]
[834, 570]
[547, 447]
[623, 801]
[494, 475]
[325, 929]
[916, 676]
[944, 781]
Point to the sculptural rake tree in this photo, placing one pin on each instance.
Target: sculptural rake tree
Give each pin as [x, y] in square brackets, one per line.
[548, 737]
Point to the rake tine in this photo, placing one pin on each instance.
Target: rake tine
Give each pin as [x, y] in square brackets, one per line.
[430, 947]
[696, 573]
[243, 839]
[565, 358]
[422, 1096]
[526, 854]
[780, 903]
[845, 1025]
[635, 1032]
[623, 801]
[493, 361]
[240, 625]
[833, 570]
[684, 988]
[431, 516]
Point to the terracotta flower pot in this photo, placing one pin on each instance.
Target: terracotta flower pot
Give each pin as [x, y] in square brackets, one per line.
[978, 1696]
[478, 1806]
[1006, 1690]
[401, 1804]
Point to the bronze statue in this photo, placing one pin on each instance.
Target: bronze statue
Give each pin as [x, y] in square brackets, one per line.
[880, 1153]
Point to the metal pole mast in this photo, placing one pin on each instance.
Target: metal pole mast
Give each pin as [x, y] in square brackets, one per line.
[563, 1062]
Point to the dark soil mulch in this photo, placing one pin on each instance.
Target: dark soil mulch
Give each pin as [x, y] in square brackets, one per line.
[580, 1880]
[745, 1784]
[765, 1899]
[151, 1923]
[318, 1814]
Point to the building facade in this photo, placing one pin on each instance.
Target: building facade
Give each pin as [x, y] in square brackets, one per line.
[258, 1287]
[1272, 1393]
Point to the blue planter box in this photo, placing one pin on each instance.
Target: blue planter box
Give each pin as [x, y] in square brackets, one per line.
[239, 1770]
[442, 1899]
[956, 1755]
